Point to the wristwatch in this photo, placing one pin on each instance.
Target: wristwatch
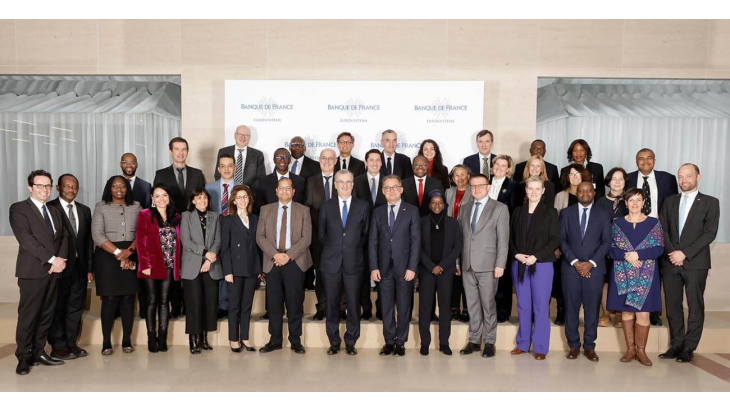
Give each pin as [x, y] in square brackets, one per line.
[117, 252]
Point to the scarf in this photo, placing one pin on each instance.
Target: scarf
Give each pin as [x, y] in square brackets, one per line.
[616, 200]
[634, 282]
[526, 236]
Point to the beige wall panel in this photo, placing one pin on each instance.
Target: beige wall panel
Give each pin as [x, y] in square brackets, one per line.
[581, 43]
[501, 43]
[401, 72]
[57, 42]
[224, 42]
[174, 69]
[402, 42]
[7, 43]
[311, 42]
[58, 69]
[313, 72]
[664, 73]
[204, 147]
[666, 44]
[719, 52]
[139, 42]
[8, 69]
[719, 74]
[580, 72]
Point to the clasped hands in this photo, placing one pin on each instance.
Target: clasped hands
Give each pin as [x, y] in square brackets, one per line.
[210, 259]
[58, 265]
[633, 259]
[583, 268]
[677, 258]
[281, 259]
[410, 275]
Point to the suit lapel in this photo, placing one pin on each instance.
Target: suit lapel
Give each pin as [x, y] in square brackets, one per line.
[693, 212]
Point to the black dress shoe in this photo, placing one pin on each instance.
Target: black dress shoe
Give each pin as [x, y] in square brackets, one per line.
[424, 350]
[203, 342]
[246, 347]
[655, 319]
[502, 318]
[445, 350]
[464, 317]
[268, 347]
[685, 356]
[235, 349]
[560, 317]
[672, 353]
[333, 350]
[63, 354]
[470, 348]
[455, 314]
[46, 360]
[400, 350]
[222, 313]
[298, 349]
[23, 367]
[351, 350]
[343, 315]
[367, 315]
[379, 315]
[79, 352]
[434, 318]
[387, 350]
[318, 316]
[488, 350]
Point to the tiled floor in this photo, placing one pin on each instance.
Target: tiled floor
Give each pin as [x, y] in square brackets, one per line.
[221, 370]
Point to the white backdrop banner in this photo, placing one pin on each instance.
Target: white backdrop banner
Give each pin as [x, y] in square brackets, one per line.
[449, 112]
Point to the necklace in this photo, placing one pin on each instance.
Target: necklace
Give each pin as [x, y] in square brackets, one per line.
[437, 223]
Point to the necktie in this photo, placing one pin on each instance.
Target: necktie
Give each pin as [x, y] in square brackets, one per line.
[344, 213]
[180, 179]
[327, 188]
[485, 166]
[224, 200]
[391, 219]
[389, 167]
[420, 191]
[682, 212]
[239, 168]
[344, 163]
[474, 216]
[72, 218]
[47, 218]
[294, 167]
[583, 220]
[373, 191]
[282, 234]
[646, 209]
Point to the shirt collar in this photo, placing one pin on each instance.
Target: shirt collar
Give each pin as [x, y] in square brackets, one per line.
[245, 149]
[37, 203]
[66, 204]
[482, 156]
[376, 176]
[397, 204]
[279, 176]
[230, 182]
[287, 205]
[692, 195]
[589, 207]
[651, 175]
[348, 199]
[131, 180]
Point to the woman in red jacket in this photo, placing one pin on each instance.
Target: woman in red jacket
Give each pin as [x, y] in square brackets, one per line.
[158, 254]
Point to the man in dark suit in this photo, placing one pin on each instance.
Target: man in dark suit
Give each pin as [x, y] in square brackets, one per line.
[538, 148]
[320, 188]
[501, 190]
[481, 162]
[220, 193]
[394, 163]
[249, 161]
[43, 248]
[657, 186]
[690, 221]
[585, 239]
[267, 185]
[181, 179]
[345, 143]
[395, 243]
[301, 165]
[141, 189]
[66, 326]
[343, 230]
[417, 187]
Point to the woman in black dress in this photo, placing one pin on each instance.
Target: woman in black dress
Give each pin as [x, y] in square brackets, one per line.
[580, 153]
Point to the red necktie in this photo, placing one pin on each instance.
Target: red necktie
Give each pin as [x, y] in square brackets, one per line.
[224, 201]
[420, 191]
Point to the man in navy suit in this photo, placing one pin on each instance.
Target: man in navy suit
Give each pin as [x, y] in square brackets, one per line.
[343, 230]
[301, 164]
[395, 243]
[417, 187]
[538, 148]
[481, 162]
[657, 186]
[141, 189]
[394, 163]
[585, 239]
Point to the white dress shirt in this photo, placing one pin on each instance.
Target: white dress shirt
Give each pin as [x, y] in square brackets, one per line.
[395, 210]
[347, 200]
[496, 187]
[392, 161]
[299, 163]
[691, 196]
[243, 154]
[423, 178]
[588, 217]
[342, 160]
[482, 204]
[288, 225]
[133, 179]
[65, 205]
[654, 191]
[40, 205]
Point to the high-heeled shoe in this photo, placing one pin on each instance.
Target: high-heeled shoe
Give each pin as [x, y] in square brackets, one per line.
[235, 349]
[194, 348]
[162, 341]
[204, 342]
[247, 348]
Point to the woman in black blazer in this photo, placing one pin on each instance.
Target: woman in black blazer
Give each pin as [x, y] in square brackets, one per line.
[241, 264]
[580, 153]
[440, 247]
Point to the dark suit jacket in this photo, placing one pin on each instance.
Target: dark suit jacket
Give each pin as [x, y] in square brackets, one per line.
[597, 176]
[267, 189]
[354, 165]
[253, 168]
[451, 249]
[239, 252]
[666, 183]
[142, 192]
[343, 247]
[442, 175]
[36, 242]
[402, 246]
[545, 229]
[552, 172]
[700, 229]
[506, 192]
[410, 193]
[79, 244]
[362, 191]
[519, 194]
[315, 199]
[194, 179]
[308, 166]
[593, 246]
[401, 165]
[474, 163]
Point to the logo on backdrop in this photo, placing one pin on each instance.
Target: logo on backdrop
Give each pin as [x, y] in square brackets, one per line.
[354, 108]
[404, 144]
[440, 110]
[315, 145]
[267, 108]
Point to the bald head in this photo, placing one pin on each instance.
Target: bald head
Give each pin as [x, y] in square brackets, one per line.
[327, 161]
[242, 135]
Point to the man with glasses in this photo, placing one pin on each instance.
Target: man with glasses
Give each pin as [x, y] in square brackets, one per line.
[482, 161]
[301, 165]
[42, 252]
[417, 187]
[395, 243]
[141, 189]
[249, 161]
[343, 231]
[485, 228]
[268, 184]
[345, 143]
[394, 163]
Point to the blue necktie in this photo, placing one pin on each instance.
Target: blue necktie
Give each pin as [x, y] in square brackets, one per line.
[294, 168]
[682, 210]
[474, 216]
[583, 219]
[373, 192]
[47, 218]
[391, 220]
[344, 213]
[327, 188]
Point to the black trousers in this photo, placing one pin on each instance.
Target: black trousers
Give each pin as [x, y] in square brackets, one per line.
[335, 285]
[429, 283]
[395, 290]
[35, 314]
[240, 301]
[201, 304]
[176, 296]
[505, 289]
[285, 285]
[557, 291]
[458, 297]
[677, 282]
[66, 325]
[109, 307]
[158, 298]
[142, 298]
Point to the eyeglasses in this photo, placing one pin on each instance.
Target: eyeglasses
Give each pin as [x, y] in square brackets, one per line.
[421, 164]
[391, 188]
[344, 142]
[241, 197]
[128, 163]
[574, 174]
[238, 134]
[344, 182]
[327, 159]
[282, 158]
[474, 186]
[41, 186]
[284, 188]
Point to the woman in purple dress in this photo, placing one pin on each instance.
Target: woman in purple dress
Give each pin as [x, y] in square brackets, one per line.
[634, 288]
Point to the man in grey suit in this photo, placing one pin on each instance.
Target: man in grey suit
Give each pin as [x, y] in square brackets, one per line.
[249, 161]
[485, 229]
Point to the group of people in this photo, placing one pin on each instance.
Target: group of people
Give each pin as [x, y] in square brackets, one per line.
[469, 237]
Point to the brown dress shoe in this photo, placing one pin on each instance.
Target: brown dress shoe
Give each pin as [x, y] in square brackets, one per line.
[628, 327]
[618, 320]
[591, 355]
[539, 356]
[642, 335]
[516, 352]
[573, 353]
[605, 320]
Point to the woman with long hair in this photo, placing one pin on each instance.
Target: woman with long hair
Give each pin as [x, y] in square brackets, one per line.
[436, 169]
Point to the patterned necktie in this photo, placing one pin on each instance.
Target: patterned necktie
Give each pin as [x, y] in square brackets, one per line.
[294, 167]
[682, 213]
[180, 179]
[373, 191]
[239, 168]
[224, 200]
[391, 219]
[485, 166]
[646, 209]
[48, 219]
[344, 163]
[474, 217]
[344, 213]
[420, 191]
[389, 167]
[72, 218]
[282, 234]
[327, 188]
[583, 220]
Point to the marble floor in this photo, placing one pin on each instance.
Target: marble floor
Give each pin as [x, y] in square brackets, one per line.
[222, 370]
